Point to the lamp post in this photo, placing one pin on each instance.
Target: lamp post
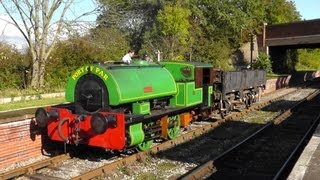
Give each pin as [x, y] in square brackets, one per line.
[251, 49]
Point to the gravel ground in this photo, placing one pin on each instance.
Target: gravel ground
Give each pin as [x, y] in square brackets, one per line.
[23, 163]
[179, 160]
[182, 158]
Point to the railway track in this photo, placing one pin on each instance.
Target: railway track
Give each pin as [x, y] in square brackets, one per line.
[32, 168]
[270, 153]
[138, 156]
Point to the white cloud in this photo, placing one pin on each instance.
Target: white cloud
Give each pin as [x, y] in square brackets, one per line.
[10, 33]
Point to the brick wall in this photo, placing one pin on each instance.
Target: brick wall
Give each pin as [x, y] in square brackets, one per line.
[276, 83]
[290, 80]
[18, 142]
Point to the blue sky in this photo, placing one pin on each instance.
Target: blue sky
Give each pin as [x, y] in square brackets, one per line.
[309, 9]
[82, 6]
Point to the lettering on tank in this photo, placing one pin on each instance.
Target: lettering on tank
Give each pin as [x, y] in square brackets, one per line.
[101, 73]
[95, 70]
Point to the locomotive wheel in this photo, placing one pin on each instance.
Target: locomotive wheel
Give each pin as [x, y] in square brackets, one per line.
[248, 100]
[173, 126]
[145, 145]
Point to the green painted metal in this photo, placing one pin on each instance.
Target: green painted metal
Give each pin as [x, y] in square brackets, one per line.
[136, 134]
[184, 71]
[187, 95]
[173, 131]
[127, 83]
[141, 62]
[180, 71]
[145, 145]
[141, 108]
[210, 91]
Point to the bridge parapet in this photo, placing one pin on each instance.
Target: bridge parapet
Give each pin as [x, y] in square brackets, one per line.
[302, 28]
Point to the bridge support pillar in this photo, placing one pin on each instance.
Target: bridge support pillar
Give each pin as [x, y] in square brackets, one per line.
[283, 59]
[278, 57]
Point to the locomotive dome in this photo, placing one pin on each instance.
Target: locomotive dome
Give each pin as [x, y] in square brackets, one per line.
[98, 86]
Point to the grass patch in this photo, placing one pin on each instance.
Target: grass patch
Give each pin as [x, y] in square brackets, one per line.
[124, 170]
[26, 92]
[260, 117]
[147, 176]
[165, 166]
[273, 75]
[31, 103]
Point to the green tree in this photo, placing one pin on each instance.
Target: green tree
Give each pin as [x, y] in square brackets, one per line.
[280, 11]
[110, 43]
[133, 18]
[215, 30]
[174, 26]
[308, 59]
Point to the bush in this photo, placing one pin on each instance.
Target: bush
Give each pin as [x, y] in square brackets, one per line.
[263, 62]
[11, 67]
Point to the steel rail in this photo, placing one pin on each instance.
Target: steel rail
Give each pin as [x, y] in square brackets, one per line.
[30, 169]
[208, 167]
[302, 141]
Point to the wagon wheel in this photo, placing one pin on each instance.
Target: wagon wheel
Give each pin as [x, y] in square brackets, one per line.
[259, 94]
[224, 108]
[231, 106]
[221, 110]
[145, 145]
[250, 99]
[173, 126]
[246, 101]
